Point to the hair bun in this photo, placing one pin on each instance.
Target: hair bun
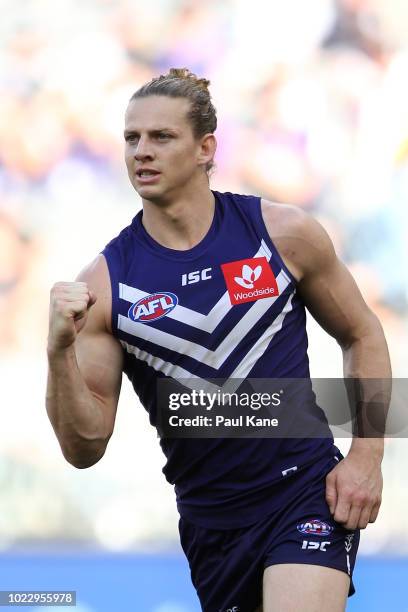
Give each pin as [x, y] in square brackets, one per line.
[185, 73]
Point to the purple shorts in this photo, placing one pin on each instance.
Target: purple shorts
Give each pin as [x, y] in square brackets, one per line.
[227, 566]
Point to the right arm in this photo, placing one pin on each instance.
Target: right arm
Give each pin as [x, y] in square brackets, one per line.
[85, 365]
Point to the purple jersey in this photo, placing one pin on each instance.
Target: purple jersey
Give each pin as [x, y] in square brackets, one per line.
[226, 309]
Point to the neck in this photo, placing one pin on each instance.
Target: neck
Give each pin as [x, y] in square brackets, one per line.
[183, 222]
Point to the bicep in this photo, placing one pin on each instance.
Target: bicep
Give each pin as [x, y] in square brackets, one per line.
[331, 295]
[99, 353]
[100, 361]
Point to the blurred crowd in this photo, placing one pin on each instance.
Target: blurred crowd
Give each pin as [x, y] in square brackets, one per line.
[312, 103]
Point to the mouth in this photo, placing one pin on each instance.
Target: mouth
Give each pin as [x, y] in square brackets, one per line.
[146, 176]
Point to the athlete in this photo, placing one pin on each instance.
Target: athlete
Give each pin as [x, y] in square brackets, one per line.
[204, 285]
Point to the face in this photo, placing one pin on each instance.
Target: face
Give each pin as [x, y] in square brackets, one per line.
[162, 155]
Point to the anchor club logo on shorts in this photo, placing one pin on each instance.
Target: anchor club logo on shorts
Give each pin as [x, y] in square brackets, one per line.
[315, 527]
[249, 280]
[153, 307]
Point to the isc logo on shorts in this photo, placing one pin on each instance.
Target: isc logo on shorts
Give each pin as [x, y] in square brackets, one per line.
[315, 545]
[249, 280]
[153, 307]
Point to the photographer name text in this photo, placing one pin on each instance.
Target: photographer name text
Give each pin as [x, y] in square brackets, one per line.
[221, 421]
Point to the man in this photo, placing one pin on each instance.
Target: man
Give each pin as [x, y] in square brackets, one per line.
[285, 513]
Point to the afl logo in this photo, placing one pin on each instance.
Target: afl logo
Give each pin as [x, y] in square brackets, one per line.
[315, 527]
[153, 307]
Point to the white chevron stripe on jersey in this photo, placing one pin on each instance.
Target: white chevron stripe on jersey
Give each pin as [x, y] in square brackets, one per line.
[241, 371]
[260, 346]
[266, 250]
[191, 317]
[196, 351]
[170, 369]
[182, 314]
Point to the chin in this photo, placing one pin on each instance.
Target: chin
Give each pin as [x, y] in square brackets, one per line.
[150, 192]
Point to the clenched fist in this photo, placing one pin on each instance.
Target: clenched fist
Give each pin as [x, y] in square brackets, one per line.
[69, 306]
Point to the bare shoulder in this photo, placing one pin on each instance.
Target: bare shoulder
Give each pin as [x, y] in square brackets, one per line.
[96, 276]
[301, 240]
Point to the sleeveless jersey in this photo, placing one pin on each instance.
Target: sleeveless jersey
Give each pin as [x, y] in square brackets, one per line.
[214, 332]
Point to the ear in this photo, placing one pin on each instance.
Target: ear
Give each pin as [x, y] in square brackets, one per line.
[207, 149]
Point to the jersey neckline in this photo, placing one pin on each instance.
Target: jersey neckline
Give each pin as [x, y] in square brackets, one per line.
[148, 241]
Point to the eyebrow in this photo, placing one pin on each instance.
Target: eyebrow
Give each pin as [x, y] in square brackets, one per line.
[153, 131]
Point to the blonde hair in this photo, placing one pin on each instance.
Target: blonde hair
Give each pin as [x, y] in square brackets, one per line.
[181, 83]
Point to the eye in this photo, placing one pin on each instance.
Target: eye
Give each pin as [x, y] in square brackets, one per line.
[163, 136]
[131, 138]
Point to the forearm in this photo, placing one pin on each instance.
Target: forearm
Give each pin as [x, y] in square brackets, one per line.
[76, 415]
[367, 373]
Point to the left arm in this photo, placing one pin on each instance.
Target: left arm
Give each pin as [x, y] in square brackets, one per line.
[353, 488]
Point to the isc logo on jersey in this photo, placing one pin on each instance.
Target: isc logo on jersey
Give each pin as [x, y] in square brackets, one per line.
[153, 307]
[249, 280]
[315, 527]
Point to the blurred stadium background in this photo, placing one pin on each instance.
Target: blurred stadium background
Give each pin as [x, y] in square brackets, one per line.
[312, 101]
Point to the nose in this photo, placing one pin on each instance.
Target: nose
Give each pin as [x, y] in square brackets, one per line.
[143, 150]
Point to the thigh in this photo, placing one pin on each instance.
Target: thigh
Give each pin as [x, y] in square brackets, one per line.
[292, 587]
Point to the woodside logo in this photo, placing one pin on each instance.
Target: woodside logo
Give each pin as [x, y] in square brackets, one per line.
[253, 275]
